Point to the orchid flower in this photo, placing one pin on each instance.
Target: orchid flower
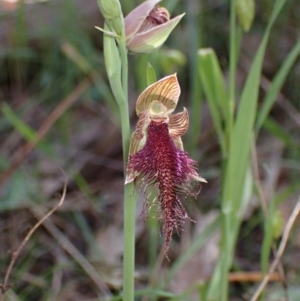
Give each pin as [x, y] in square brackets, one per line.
[148, 26]
[156, 155]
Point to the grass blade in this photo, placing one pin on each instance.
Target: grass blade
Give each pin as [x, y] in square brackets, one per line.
[276, 85]
[214, 88]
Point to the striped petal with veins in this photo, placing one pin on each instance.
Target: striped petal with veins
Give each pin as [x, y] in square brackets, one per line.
[156, 156]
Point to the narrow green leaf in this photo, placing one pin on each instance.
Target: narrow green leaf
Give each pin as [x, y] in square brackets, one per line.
[275, 129]
[23, 128]
[214, 88]
[268, 236]
[276, 85]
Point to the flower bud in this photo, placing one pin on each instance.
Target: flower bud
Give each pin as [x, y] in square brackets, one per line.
[112, 13]
[245, 10]
[110, 9]
[148, 26]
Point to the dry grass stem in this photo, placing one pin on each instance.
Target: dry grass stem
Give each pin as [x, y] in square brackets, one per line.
[15, 254]
[281, 249]
[53, 117]
[251, 277]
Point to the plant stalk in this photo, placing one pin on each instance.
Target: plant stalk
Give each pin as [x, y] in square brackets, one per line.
[129, 198]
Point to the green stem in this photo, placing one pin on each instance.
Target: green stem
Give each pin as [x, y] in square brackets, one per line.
[124, 61]
[125, 127]
[129, 242]
[129, 198]
[117, 70]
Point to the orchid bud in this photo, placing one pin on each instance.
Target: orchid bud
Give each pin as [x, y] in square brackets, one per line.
[148, 26]
[112, 13]
[245, 10]
[110, 9]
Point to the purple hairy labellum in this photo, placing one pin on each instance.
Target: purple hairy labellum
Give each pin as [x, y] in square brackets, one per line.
[157, 158]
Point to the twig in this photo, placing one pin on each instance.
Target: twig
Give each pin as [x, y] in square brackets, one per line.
[15, 254]
[281, 249]
[52, 118]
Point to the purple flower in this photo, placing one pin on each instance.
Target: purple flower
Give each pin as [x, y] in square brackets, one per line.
[148, 26]
[157, 158]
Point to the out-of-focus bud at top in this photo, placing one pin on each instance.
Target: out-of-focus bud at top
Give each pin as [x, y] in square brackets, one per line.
[148, 26]
[245, 10]
[110, 9]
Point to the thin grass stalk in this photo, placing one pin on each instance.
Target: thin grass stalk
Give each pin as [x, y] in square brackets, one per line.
[276, 85]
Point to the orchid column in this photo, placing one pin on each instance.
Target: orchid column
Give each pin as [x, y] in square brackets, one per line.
[144, 30]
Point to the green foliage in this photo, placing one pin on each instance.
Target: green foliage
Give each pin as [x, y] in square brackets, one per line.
[234, 199]
[214, 88]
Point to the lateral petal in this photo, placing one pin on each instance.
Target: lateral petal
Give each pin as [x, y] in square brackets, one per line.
[178, 123]
[134, 143]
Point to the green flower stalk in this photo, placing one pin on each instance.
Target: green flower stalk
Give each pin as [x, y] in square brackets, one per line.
[148, 26]
[157, 158]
